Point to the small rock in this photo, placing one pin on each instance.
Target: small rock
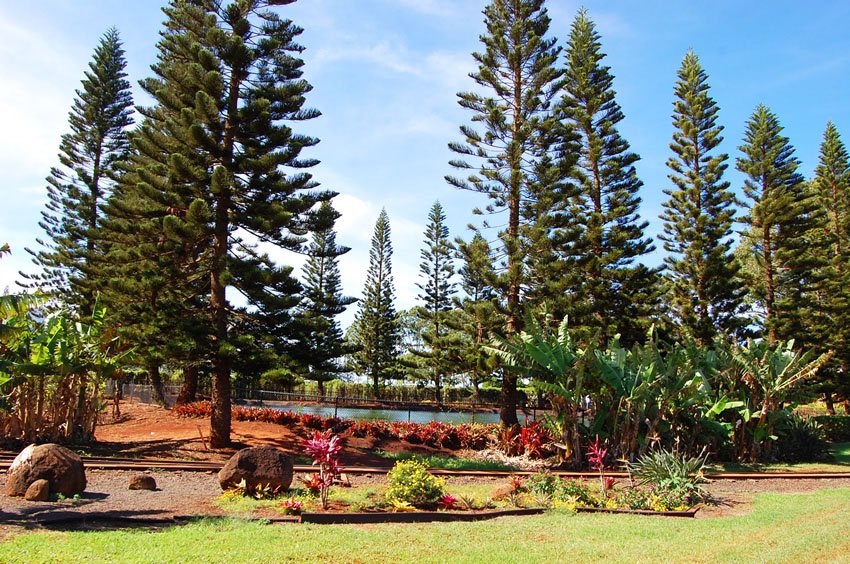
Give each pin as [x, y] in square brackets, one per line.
[142, 482]
[502, 492]
[38, 491]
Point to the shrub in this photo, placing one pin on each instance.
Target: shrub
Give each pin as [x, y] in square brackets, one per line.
[543, 483]
[835, 427]
[411, 483]
[671, 472]
[800, 439]
[577, 491]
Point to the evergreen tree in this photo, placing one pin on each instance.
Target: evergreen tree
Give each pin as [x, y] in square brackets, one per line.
[831, 189]
[218, 164]
[79, 187]
[322, 344]
[516, 167]
[780, 219]
[705, 293]
[436, 271]
[376, 327]
[479, 315]
[606, 290]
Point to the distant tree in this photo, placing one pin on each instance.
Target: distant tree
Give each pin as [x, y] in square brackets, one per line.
[322, 347]
[478, 316]
[607, 291]
[705, 292]
[515, 166]
[79, 187]
[376, 327]
[437, 288]
[780, 219]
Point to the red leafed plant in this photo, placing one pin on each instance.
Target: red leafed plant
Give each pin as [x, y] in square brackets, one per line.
[596, 456]
[314, 484]
[447, 502]
[291, 506]
[324, 448]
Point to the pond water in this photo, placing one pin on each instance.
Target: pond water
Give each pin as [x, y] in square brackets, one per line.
[373, 414]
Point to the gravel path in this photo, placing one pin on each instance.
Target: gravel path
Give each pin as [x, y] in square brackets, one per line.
[177, 493]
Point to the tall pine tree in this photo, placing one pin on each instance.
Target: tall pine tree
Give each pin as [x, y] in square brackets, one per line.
[436, 271]
[376, 328]
[607, 291]
[79, 187]
[831, 189]
[779, 222]
[322, 345]
[479, 314]
[217, 156]
[705, 292]
[514, 163]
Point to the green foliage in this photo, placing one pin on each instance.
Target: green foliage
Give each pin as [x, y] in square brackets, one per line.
[52, 371]
[835, 427]
[411, 483]
[436, 271]
[800, 439]
[782, 215]
[607, 289]
[704, 291]
[321, 346]
[671, 471]
[375, 330]
[79, 187]
[515, 151]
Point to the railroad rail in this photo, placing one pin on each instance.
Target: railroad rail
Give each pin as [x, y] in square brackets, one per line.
[171, 464]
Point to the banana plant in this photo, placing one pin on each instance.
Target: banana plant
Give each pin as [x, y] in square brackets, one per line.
[556, 366]
[770, 373]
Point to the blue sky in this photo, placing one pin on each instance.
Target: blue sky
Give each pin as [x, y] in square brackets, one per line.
[385, 76]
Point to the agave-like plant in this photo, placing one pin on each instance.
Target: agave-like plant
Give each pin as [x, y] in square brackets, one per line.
[671, 471]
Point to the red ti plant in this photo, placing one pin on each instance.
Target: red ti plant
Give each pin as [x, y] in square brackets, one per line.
[447, 502]
[596, 456]
[324, 448]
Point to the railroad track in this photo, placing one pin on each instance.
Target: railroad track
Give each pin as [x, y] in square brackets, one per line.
[166, 464]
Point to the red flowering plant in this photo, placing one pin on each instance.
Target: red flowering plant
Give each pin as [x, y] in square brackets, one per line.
[291, 506]
[324, 448]
[596, 456]
[314, 484]
[447, 502]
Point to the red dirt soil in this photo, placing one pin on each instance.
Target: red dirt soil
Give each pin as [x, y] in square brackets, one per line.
[145, 430]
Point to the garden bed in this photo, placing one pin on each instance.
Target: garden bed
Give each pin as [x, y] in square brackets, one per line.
[371, 517]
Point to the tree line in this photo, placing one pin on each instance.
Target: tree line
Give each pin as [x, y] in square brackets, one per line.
[160, 220]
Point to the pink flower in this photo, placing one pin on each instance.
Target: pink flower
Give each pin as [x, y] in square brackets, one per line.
[447, 502]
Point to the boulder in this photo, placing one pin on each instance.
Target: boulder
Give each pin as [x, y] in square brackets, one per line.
[142, 482]
[264, 465]
[38, 491]
[62, 468]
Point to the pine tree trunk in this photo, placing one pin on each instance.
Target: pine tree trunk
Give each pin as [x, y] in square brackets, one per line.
[156, 383]
[189, 390]
[830, 406]
[320, 384]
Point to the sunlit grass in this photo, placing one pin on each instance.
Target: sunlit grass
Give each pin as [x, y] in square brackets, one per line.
[808, 527]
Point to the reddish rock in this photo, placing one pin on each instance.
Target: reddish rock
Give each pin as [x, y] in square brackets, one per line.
[142, 482]
[38, 491]
[62, 468]
[264, 465]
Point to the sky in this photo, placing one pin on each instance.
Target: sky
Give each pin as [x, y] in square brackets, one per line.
[386, 74]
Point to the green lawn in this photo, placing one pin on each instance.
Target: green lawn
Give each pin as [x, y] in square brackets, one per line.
[782, 528]
[840, 463]
[447, 462]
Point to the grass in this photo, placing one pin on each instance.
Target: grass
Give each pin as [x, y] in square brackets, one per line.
[840, 463]
[447, 462]
[781, 528]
